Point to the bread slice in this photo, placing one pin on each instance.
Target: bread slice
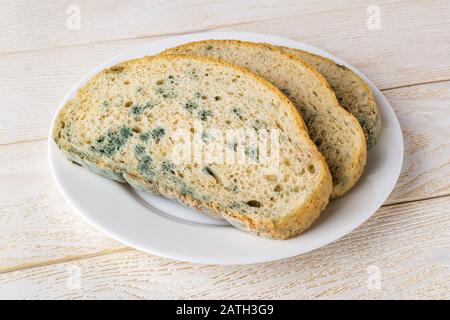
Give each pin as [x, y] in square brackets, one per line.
[351, 91]
[128, 121]
[336, 133]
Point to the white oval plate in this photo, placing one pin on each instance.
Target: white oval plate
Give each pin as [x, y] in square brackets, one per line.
[165, 228]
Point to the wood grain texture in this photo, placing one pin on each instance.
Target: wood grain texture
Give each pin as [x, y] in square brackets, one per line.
[424, 113]
[44, 25]
[38, 80]
[43, 242]
[37, 225]
[408, 243]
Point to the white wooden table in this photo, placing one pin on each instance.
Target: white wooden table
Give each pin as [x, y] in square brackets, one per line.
[48, 251]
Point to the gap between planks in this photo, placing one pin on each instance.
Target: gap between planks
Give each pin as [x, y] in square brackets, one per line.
[149, 37]
[115, 40]
[31, 265]
[415, 200]
[415, 84]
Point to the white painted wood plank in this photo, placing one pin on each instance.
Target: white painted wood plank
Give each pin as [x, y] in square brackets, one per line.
[396, 54]
[424, 113]
[42, 24]
[37, 225]
[409, 244]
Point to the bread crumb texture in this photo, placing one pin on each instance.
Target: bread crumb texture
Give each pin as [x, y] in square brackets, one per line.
[122, 125]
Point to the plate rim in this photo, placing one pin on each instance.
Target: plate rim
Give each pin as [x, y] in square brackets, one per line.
[246, 36]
